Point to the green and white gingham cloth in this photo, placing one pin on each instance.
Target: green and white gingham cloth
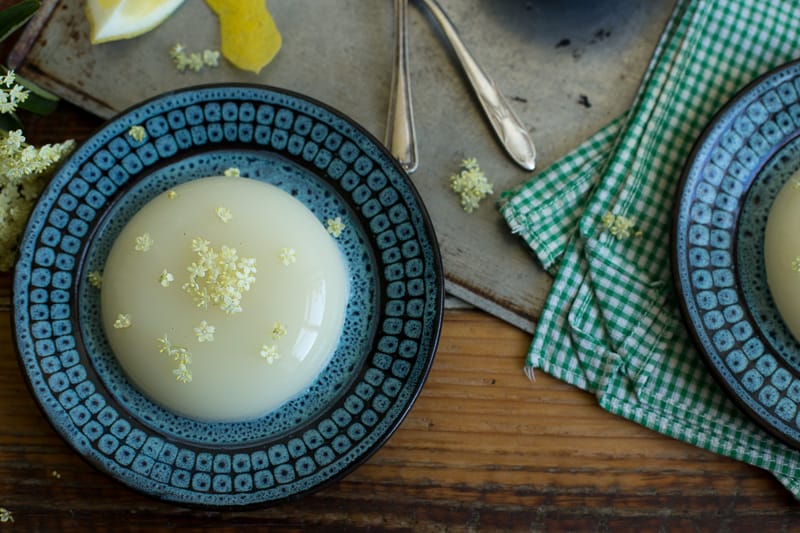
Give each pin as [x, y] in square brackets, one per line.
[599, 221]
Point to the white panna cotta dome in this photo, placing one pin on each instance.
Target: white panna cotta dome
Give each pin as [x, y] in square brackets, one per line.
[223, 298]
[782, 253]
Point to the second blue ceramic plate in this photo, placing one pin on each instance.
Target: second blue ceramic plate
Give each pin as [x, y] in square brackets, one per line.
[393, 317]
[743, 159]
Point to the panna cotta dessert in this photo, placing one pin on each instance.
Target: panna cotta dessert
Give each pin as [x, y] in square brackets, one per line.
[782, 253]
[224, 297]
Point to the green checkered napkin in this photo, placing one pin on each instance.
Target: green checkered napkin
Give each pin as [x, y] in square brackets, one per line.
[599, 220]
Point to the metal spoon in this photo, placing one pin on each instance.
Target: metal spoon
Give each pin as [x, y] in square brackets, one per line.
[400, 135]
[506, 124]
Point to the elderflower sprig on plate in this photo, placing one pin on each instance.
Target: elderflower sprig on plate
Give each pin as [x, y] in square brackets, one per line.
[181, 356]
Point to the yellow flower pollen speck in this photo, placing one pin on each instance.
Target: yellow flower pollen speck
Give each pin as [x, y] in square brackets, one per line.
[270, 353]
[224, 214]
[278, 330]
[5, 515]
[123, 321]
[95, 279]
[172, 194]
[232, 172]
[335, 226]
[143, 243]
[166, 278]
[204, 332]
[137, 133]
[287, 256]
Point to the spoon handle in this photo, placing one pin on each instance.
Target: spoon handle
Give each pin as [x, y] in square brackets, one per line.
[508, 127]
[400, 135]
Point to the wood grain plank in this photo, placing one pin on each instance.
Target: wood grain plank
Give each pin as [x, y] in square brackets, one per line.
[474, 453]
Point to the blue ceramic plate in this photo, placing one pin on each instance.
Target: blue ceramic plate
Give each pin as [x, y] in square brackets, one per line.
[390, 335]
[739, 165]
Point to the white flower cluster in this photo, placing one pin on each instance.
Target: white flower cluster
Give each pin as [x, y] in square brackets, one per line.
[24, 170]
[195, 61]
[11, 93]
[219, 278]
[619, 226]
[471, 184]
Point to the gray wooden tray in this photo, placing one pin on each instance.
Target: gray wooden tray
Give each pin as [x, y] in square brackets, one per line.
[568, 67]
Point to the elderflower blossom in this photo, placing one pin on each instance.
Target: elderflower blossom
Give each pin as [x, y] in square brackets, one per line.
[143, 243]
[24, 171]
[123, 321]
[194, 61]
[95, 279]
[180, 355]
[11, 93]
[471, 184]
[204, 332]
[5, 515]
[224, 214]
[270, 353]
[211, 58]
[219, 278]
[232, 172]
[165, 279]
[335, 226]
[287, 256]
[278, 330]
[182, 373]
[137, 133]
[619, 226]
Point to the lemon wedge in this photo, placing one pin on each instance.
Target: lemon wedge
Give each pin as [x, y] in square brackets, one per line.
[250, 38]
[111, 20]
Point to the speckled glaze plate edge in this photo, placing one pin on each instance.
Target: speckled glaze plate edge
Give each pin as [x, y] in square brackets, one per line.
[399, 239]
[745, 155]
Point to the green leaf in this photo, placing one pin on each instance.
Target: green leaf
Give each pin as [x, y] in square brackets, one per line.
[9, 122]
[39, 101]
[15, 16]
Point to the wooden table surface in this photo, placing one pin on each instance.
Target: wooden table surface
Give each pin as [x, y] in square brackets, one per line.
[482, 449]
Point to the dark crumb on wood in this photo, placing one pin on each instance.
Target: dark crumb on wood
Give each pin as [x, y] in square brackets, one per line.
[563, 42]
[600, 35]
[520, 99]
[584, 101]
